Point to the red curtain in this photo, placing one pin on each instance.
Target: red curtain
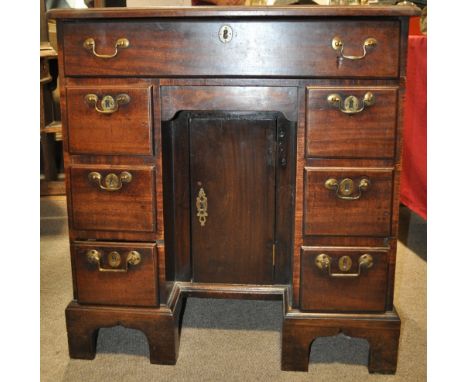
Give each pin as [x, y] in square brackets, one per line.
[413, 192]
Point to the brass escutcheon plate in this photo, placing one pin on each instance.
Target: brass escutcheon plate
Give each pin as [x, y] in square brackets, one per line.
[114, 259]
[344, 263]
[346, 187]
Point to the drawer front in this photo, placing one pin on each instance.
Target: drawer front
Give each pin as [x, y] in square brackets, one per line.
[347, 201]
[352, 122]
[109, 120]
[113, 198]
[343, 279]
[116, 273]
[266, 48]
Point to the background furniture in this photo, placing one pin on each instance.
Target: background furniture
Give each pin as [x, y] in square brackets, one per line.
[216, 152]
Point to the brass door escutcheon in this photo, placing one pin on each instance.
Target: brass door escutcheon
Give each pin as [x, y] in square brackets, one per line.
[121, 43]
[351, 104]
[323, 262]
[202, 207]
[114, 259]
[112, 182]
[108, 103]
[337, 44]
[345, 188]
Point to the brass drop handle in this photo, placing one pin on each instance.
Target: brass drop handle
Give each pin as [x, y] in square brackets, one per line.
[345, 188]
[113, 259]
[351, 104]
[323, 262]
[202, 206]
[121, 43]
[337, 44]
[112, 182]
[108, 103]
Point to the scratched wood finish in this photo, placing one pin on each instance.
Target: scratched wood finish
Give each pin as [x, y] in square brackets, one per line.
[265, 48]
[322, 293]
[368, 134]
[326, 214]
[128, 131]
[232, 98]
[235, 245]
[136, 287]
[129, 209]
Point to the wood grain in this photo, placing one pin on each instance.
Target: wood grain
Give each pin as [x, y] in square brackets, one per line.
[265, 48]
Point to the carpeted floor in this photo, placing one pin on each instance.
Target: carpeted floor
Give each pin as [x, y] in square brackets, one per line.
[223, 340]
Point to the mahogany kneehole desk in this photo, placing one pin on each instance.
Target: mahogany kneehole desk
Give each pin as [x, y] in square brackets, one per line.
[234, 153]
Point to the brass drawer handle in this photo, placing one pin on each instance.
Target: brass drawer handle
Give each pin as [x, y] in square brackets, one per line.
[121, 43]
[323, 262]
[112, 182]
[108, 103]
[345, 188]
[337, 44]
[351, 104]
[202, 206]
[113, 259]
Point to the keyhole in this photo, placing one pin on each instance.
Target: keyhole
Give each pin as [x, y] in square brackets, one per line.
[225, 34]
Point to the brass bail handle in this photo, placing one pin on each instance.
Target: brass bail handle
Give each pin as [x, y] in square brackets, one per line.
[351, 104]
[345, 188]
[202, 206]
[323, 262]
[108, 103]
[337, 44]
[113, 259]
[121, 43]
[112, 182]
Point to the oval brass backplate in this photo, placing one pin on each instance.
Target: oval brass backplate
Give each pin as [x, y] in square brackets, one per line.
[344, 263]
[114, 259]
[107, 103]
[346, 187]
[225, 34]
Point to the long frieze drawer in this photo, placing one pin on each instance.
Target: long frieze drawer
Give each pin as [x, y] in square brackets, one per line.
[315, 48]
[109, 120]
[343, 279]
[116, 273]
[113, 198]
[351, 122]
[347, 201]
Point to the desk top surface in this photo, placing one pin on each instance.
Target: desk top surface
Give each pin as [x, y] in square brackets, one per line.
[212, 11]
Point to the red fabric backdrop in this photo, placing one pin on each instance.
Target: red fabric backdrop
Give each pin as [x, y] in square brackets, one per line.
[413, 192]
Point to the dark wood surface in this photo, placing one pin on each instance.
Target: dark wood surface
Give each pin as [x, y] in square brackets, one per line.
[181, 77]
[265, 48]
[138, 286]
[127, 131]
[368, 134]
[277, 11]
[132, 208]
[326, 214]
[234, 161]
[321, 292]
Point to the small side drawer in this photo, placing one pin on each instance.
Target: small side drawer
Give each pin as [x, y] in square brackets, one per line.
[113, 198]
[109, 120]
[347, 201]
[354, 280]
[352, 122]
[116, 273]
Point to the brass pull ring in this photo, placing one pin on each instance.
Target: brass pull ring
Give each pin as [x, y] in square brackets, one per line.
[112, 182]
[337, 44]
[113, 259]
[202, 206]
[350, 105]
[108, 103]
[323, 262]
[345, 188]
[121, 43]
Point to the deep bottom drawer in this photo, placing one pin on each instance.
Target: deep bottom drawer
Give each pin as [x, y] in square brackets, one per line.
[343, 279]
[116, 273]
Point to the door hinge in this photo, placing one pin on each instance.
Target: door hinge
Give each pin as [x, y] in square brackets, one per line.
[273, 253]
